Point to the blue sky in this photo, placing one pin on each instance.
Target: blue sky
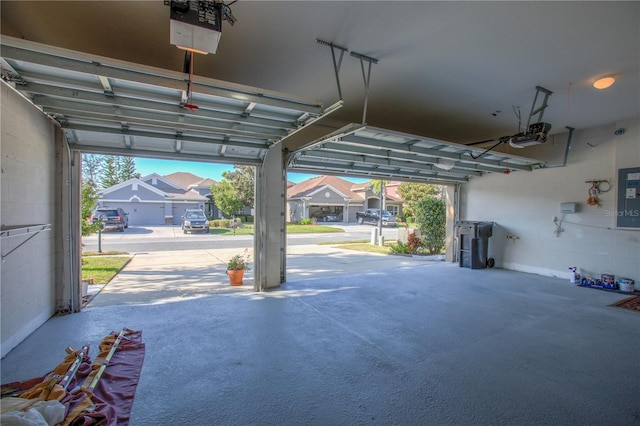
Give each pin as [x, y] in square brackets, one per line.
[146, 166]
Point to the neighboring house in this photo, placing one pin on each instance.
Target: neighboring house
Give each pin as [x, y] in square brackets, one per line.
[332, 199]
[201, 185]
[151, 200]
[392, 200]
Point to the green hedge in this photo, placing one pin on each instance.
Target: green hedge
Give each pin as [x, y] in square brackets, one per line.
[224, 223]
[245, 218]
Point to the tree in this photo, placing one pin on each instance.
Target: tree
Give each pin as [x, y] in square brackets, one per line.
[92, 168]
[126, 168]
[379, 187]
[376, 186]
[431, 216]
[243, 179]
[412, 193]
[109, 173]
[116, 169]
[88, 203]
[226, 197]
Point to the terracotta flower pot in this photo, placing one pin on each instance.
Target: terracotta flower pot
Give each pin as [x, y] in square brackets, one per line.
[235, 276]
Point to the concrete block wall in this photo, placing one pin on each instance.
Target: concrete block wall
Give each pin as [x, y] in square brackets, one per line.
[28, 181]
[523, 205]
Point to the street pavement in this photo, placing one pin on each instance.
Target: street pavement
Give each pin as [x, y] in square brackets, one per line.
[161, 238]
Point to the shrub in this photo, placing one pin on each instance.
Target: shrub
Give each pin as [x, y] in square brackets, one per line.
[431, 216]
[399, 248]
[224, 223]
[413, 242]
[306, 221]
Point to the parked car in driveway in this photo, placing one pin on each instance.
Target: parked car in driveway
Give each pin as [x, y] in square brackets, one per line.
[111, 218]
[372, 216]
[194, 220]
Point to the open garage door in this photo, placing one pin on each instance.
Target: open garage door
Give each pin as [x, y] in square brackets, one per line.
[114, 107]
[375, 153]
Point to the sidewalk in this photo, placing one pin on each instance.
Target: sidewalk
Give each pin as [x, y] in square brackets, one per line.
[161, 277]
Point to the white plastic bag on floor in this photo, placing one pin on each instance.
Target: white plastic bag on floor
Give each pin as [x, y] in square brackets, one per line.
[42, 413]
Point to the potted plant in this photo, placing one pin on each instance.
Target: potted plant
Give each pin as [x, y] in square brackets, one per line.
[236, 267]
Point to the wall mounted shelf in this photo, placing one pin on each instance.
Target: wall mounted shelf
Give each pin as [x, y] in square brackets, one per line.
[28, 231]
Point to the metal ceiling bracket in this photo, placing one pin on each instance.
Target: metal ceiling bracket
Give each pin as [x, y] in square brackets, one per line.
[248, 109]
[540, 110]
[568, 147]
[106, 86]
[336, 63]
[9, 74]
[367, 79]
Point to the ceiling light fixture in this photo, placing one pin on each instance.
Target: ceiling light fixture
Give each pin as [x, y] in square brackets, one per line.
[604, 82]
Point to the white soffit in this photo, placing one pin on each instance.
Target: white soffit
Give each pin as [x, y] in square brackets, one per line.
[361, 150]
[115, 107]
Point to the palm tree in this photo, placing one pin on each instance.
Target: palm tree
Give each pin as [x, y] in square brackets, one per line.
[379, 187]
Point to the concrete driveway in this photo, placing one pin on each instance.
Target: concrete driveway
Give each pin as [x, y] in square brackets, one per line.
[166, 276]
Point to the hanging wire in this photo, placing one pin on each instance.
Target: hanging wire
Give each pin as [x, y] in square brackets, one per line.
[487, 150]
[516, 111]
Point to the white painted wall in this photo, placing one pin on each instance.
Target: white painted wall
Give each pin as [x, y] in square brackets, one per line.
[27, 159]
[523, 204]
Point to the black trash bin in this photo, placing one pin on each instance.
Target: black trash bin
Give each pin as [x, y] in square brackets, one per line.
[473, 244]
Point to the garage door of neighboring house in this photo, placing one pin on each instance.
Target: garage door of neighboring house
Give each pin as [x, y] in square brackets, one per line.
[178, 211]
[327, 213]
[145, 214]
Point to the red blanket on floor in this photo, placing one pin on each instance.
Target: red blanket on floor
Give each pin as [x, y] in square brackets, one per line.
[98, 393]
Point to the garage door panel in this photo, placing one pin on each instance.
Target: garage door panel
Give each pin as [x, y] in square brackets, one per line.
[145, 214]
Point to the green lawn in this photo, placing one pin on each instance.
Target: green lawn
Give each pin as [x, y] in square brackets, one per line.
[291, 229]
[312, 229]
[367, 247]
[103, 253]
[102, 268]
[228, 231]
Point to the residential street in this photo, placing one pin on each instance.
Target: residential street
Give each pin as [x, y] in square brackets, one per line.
[168, 238]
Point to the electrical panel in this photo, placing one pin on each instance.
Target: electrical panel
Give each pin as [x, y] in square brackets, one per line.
[628, 212]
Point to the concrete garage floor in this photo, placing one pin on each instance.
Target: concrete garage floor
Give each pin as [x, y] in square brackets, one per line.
[407, 342]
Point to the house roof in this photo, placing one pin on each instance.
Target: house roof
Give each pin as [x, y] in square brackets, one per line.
[189, 180]
[149, 178]
[309, 186]
[349, 189]
[129, 182]
[392, 191]
[177, 194]
[206, 182]
[360, 186]
[190, 195]
[184, 179]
